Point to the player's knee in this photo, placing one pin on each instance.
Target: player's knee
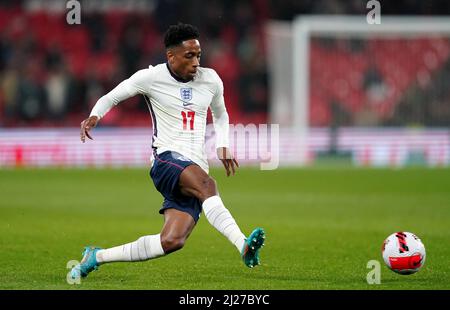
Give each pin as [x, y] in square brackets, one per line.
[208, 189]
[172, 243]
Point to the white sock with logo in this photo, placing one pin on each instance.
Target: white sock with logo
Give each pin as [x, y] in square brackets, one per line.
[219, 217]
[144, 248]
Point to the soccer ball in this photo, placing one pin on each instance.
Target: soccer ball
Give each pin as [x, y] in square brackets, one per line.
[403, 252]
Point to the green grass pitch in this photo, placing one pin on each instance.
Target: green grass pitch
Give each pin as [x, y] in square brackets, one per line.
[322, 225]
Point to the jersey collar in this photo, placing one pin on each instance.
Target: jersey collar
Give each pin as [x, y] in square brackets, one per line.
[176, 77]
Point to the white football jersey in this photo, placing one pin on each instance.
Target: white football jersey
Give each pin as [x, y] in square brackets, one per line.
[178, 109]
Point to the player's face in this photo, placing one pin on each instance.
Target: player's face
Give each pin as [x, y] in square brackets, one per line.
[184, 59]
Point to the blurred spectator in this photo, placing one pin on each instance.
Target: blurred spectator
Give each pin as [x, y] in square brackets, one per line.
[130, 46]
[98, 32]
[57, 87]
[374, 86]
[9, 92]
[31, 95]
[253, 78]
[429, 106]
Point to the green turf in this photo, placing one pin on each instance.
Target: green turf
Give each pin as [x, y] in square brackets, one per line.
[322, 225]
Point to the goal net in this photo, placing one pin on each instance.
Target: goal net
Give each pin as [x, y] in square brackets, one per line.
[375, 94]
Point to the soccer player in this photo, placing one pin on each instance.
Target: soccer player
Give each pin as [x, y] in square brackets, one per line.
[178, 93]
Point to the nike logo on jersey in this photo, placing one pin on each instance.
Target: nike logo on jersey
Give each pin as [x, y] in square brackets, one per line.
[186, 95]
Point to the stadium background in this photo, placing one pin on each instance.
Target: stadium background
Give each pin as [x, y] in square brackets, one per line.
[52, 73]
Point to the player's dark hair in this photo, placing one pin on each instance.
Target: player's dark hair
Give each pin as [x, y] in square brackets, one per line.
[176, 34]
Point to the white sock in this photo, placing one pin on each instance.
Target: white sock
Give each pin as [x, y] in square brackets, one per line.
[219, 217]
[144, 248]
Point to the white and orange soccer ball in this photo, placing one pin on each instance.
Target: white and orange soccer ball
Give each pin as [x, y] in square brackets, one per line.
[404, 253]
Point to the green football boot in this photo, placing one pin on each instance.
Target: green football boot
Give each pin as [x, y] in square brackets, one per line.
[252, 245]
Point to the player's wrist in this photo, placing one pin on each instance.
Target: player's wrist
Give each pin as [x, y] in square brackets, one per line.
[223, 153]
[94, 116]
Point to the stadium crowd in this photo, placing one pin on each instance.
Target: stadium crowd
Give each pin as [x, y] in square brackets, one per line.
[52, 73]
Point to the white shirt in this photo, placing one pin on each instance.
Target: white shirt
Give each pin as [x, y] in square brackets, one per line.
[178, 109]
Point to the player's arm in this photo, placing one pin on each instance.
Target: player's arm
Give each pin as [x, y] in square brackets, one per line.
[136, 84]
[221, 127]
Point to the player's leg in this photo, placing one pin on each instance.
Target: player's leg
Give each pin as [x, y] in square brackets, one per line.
[197, 183]
[194, 181]
[177, 227]
[144, 248]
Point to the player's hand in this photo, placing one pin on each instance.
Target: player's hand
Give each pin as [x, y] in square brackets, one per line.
[227, 160]
[86, 126]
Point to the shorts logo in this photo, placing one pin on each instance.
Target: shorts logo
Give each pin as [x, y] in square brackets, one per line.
[186, 94]
[180, 157]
